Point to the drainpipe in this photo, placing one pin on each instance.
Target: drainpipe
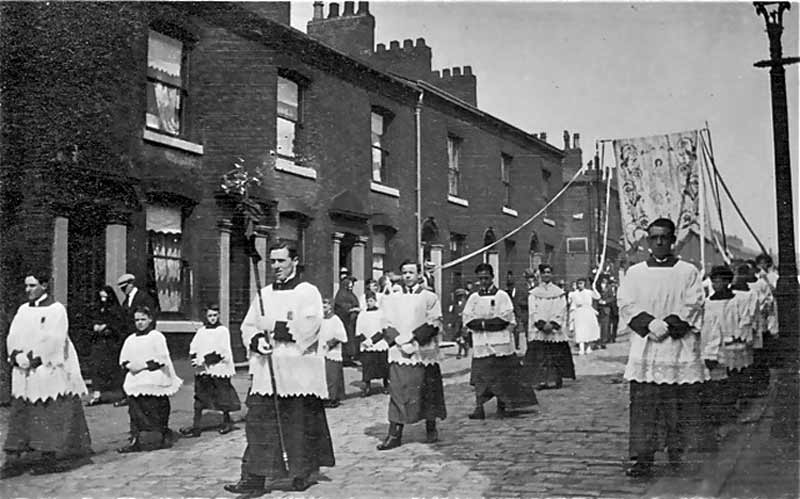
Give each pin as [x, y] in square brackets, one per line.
[418, 125]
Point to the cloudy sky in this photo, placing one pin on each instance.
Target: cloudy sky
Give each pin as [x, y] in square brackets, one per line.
[616, 70]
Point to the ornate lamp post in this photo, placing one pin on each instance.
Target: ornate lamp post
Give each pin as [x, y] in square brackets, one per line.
[787, 286]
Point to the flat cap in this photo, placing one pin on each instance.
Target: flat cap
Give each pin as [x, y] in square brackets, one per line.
[125, 278]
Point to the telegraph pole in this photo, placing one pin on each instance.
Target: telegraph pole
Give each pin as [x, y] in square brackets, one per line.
[786, 292]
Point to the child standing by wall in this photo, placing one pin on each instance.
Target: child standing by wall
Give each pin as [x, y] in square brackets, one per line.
[211, 354]
[149, 383]
[331, 336]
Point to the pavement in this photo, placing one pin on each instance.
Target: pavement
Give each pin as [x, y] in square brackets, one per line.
[575, 445]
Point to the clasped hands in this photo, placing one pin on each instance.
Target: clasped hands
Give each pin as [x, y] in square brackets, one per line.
[25, 361]
[209, 359]
[150, 365]
[260, 342]
[671, 326]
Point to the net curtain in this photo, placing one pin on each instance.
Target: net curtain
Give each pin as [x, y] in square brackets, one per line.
[164, 234]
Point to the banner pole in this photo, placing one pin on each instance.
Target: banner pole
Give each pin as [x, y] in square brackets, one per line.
[701, 201]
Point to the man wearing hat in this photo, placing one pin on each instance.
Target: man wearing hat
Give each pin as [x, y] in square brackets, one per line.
[133, 299]
[346, 307]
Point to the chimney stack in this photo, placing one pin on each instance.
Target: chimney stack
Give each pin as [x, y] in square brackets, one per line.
[566, 140]
[543, 136]
[319, 10]
[352, 33]
[576, 137]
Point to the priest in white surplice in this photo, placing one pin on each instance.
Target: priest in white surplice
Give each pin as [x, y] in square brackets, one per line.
[46, 385]
[287, 330]
[661, 300]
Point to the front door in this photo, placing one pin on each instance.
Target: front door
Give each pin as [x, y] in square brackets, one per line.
[240, 268]
[86, 271]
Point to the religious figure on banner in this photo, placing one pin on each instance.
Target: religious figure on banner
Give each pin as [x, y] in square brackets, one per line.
[658, 177]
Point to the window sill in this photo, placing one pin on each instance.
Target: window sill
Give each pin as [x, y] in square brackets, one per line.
[457, 200]
[549, 221]
[285, 165]
[384, 189]
[510, 211]
[175, 142]
[178, 326]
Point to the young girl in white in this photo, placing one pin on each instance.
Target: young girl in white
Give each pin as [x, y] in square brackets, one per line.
[331, 336]
[587, 328]
[212, 357]
[150, 381]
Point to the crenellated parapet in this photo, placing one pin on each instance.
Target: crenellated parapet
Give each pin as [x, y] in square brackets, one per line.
[411, 59]
[458, 81]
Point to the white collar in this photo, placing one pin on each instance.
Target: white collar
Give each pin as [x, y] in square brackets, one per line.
[40, 299]
[291, 276]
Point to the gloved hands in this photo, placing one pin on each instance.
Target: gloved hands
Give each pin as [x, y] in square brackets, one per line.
[658, 329]
[540, 324]
[332, 343]
[711, 364]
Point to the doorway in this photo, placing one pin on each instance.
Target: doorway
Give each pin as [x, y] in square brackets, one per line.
[86, 272]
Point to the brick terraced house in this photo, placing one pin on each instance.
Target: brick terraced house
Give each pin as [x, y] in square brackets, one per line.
[119, 121]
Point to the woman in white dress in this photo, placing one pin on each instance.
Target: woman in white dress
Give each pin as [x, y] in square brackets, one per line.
[587, 329]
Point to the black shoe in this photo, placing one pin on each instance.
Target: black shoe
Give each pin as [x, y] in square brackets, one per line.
[59, 466]
[478, 413]
[390, 442]
[190, 432]
[133, 446]
[639, 470]
[226, 428]
[248, 485]
[502, 413]
[10, 470]
[299, 484]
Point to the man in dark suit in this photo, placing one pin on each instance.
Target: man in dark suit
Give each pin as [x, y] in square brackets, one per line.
[134, 298]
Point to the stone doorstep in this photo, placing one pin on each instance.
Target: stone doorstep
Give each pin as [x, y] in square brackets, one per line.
[715, 471]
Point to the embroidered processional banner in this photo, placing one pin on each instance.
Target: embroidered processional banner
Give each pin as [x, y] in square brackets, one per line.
[658, 176]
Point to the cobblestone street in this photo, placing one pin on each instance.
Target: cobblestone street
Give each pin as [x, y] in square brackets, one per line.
[575, 445]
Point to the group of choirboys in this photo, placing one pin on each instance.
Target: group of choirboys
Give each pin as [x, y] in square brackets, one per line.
[694, 353]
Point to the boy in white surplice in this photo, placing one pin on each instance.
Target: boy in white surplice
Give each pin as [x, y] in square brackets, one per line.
[661, 300]
[496, 366]
[212, 357]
